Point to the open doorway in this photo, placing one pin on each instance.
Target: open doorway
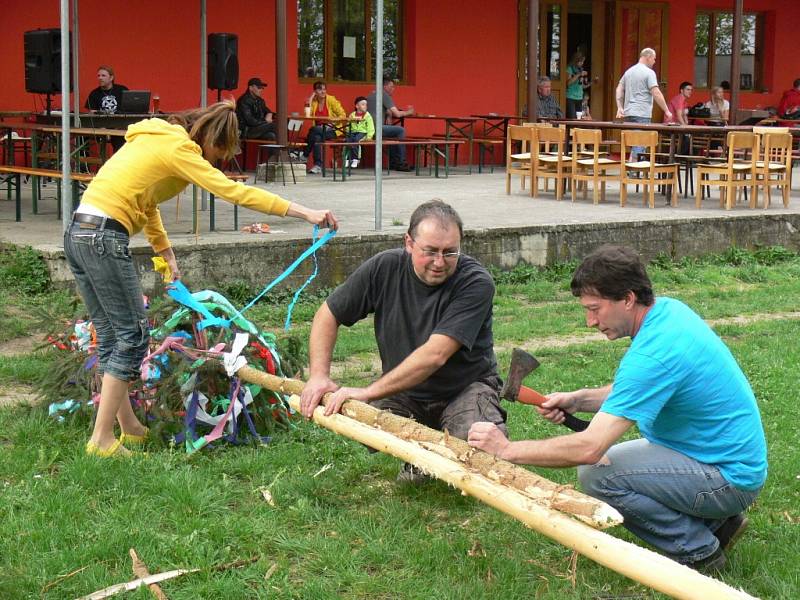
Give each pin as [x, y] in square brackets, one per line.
[579, 42]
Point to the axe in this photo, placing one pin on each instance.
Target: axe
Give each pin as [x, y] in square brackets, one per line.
[522, 364]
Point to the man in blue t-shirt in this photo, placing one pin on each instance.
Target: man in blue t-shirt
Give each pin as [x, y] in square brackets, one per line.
[701, 461]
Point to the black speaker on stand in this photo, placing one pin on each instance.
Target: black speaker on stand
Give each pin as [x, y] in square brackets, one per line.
[223, 62]
[43, 62]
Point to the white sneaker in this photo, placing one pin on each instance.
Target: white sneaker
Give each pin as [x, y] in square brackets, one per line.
[315, 170]
[354, 163]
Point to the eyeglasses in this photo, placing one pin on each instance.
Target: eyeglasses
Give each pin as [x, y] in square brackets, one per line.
[449, 255]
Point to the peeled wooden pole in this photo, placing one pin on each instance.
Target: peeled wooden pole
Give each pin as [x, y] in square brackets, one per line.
[640, 564]
[547, 493]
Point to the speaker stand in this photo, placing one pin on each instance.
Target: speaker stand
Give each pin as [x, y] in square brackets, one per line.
[48, 104]
[219, 95]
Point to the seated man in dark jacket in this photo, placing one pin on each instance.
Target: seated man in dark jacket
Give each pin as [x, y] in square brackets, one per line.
[255, 117]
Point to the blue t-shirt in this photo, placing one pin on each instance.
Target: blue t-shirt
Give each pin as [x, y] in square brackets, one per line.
[684, 389]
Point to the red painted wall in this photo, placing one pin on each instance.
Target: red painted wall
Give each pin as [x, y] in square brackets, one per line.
[461, 55]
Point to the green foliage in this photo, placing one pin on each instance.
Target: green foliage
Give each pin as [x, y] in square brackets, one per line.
[24, 270]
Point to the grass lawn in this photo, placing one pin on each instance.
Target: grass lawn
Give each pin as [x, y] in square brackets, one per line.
[340, 527]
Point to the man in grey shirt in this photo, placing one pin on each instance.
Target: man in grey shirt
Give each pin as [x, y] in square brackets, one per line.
[638, 88]
[397, 154]
[636, 91]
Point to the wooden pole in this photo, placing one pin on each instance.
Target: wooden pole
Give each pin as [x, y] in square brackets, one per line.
[281, 73]
[736, 61]
[539, 489]
[639, 564]
[533, 60]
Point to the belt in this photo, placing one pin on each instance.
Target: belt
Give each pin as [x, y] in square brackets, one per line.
[95, 222]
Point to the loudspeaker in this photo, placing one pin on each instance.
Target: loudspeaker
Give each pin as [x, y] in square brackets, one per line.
[43, 61]
[223, 61]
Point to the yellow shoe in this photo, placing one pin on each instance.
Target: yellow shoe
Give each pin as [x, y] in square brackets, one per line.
[115, 449]
[135, 440]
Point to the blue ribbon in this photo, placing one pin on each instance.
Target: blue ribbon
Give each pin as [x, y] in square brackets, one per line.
[178, 292]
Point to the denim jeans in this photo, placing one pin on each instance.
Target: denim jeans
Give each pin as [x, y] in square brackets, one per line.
[317, 134]
[637, 150]
[355, 151]
[669, 500]
[107, 281]
[479, 401]
[397, 154]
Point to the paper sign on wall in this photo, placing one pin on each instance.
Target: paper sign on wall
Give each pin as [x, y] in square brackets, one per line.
[348, 47]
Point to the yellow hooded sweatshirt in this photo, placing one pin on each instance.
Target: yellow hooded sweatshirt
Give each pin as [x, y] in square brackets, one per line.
[157, 161]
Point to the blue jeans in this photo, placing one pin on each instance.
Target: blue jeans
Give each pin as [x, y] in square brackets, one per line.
[669, 500]
[107, 281]
[397, 154]
[315, 135]
[637, 150]
[355, 151]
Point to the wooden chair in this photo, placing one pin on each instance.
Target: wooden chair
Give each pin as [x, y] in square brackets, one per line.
[519, 163]
[646, 171]
[736, 173]
[774, 167]
[549, 160]
[595, 167]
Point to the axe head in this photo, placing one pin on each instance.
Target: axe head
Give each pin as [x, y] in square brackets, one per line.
[522, 364]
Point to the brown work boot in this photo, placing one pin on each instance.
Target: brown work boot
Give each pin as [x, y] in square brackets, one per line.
[731, 530]
[714, 563]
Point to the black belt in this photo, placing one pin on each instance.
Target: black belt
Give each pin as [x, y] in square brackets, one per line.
[96, 222]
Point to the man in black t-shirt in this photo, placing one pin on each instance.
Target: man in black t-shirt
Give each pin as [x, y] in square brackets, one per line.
[432, 311]
[107, 97]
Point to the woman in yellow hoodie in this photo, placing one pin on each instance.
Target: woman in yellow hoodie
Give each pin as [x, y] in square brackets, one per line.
[158, 160]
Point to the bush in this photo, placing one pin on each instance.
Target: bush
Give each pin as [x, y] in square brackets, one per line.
[23, 269]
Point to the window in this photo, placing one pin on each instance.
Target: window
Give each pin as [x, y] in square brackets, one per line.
[335, 39]
[713, 49]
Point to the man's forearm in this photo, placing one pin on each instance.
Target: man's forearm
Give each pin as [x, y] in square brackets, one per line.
[563, 451]
[659, 98]
[416, 368]
[620, 96]
[321, 342]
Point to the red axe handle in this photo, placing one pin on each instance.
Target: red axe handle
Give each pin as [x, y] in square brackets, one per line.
[530, 396]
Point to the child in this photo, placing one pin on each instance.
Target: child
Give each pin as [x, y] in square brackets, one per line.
[361, 127]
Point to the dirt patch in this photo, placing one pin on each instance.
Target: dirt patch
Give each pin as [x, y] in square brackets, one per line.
[21, 394]
[21, 345]
[562, 341]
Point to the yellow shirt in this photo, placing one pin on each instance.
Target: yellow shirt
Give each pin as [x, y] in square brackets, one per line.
[157, 161]
[335, 110]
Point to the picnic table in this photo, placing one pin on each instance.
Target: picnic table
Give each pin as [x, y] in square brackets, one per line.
[671, 130]
[455, 127]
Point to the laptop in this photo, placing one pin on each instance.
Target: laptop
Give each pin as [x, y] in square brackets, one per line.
[135, 102]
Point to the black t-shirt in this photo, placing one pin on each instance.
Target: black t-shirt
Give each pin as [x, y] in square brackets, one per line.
[407, 311]
[107, 101]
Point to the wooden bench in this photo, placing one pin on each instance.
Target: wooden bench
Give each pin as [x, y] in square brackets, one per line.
[17, 172]
[435, 148]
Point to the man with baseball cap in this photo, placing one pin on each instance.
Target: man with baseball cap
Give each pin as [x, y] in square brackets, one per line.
[255, 117]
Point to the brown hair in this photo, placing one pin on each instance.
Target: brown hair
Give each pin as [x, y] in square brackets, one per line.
[611, 272]
[212, 127]
[443, 213]
[106, 68]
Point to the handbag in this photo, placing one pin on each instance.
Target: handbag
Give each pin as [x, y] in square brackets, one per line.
[700, 111]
